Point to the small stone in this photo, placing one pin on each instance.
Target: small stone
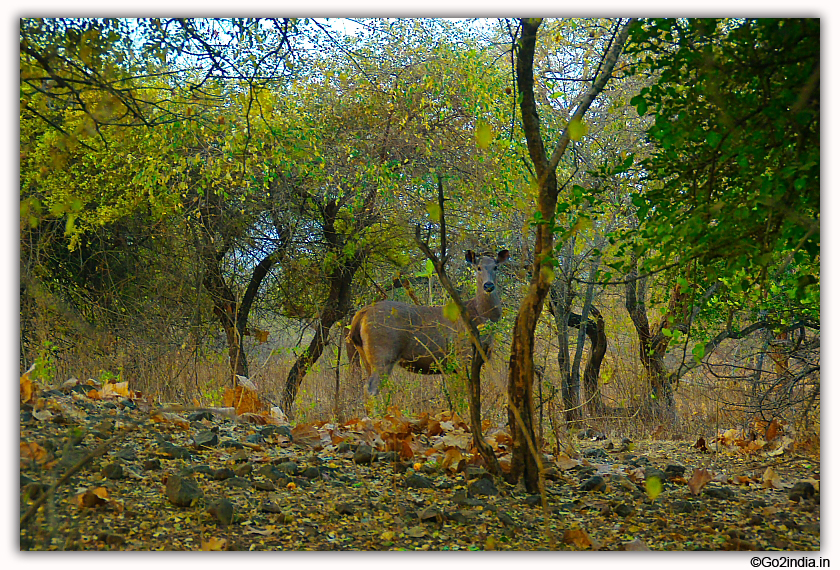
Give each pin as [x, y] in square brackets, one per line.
[238, 482]
[416, 481]
[223, 473]
[802, 490]
[595, 454]
[722, 493]
[430, 513]
[127, 454]
[271, 473]
[482, 487]
[204, 470]
[682, 507]
[346, 446]
[533, 500]
[171, 451]
[345, 509]
[244, 470]
[363, 455]
[388, 456]
[595, 484]
[182, 492]
[311, 472]
[71, 457]
[264, 486]
[288, 467]
[200, 416]
[222, 511]
[269, 431]
[506, 519]
[270, 507]
[623, 509]
[113, 471]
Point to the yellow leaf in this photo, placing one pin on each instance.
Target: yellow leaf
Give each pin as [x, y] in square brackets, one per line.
[450, 311]
[483, 134]
[577, 128]
[387, 536]
[214, 544]
[653, 486]
[434, 210]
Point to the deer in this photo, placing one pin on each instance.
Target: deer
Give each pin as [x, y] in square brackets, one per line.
[419, 337]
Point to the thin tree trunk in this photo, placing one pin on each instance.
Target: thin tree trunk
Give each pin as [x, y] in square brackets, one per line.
[524, 460]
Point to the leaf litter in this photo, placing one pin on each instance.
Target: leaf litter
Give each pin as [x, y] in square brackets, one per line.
[107, 470]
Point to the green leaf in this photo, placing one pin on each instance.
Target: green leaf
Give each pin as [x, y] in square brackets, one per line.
[699, 351]
[577, 128]
[434, 210]
[653, 486]
[450, 311]
[483, 135]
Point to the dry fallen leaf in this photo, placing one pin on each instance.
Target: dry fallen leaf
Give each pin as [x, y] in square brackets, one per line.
[27, 388]
[770, 480]
[92, 498]
[580, 538]
[214, 544]
[565, 462]
[635, 545]
[699, 479]
[32, 451]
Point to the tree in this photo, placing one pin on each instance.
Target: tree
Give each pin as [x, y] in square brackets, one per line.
[520, 383]
[731, 196]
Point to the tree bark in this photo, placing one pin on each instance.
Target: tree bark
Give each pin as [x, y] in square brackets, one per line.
[335, 308]
[524, 461]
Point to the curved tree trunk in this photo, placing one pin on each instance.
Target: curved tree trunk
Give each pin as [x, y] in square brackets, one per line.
[524, 455]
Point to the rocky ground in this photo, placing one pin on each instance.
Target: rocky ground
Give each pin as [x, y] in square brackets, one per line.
[100, 471]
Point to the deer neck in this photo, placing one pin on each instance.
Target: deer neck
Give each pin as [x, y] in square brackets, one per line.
[485, 306]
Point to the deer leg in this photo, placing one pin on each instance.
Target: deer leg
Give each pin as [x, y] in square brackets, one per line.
[374, 382]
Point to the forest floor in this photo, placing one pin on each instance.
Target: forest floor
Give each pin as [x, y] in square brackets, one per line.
[100, 471]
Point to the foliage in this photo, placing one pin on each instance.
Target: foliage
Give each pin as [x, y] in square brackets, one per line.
[734, 181]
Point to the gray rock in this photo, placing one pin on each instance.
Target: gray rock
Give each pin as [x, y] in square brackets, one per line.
[223, 473]
[802, 490]
[182, 492]
[238, 482]
[288, 467]
[482, 487]
[363, 455]
[264, 486]
[623, 509]
[113, 471]
[151, 464]
[222, 511]
[311, 472]
[416, 481]
[595, 484]
[722, 493]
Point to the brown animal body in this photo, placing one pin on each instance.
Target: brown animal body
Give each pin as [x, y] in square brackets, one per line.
[420, 338]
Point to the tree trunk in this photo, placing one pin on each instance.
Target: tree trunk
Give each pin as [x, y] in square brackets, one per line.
[524, 455]
[598, 348]
[335, 307]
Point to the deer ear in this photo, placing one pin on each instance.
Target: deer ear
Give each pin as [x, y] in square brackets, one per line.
[470, 256]
[503, 256]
